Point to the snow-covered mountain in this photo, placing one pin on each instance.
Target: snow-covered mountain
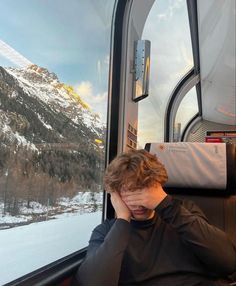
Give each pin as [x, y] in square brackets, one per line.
[35, 107]
[49, 137]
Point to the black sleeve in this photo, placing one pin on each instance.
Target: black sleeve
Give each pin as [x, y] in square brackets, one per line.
[102, 264]
[211, 245]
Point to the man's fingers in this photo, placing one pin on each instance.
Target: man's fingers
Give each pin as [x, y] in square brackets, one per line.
[115, 198]
[132, 201]
[128, 194]
[137, 196]
[121, 209]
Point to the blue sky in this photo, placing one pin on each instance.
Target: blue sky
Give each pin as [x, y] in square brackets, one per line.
[63, 36]
[70, 38]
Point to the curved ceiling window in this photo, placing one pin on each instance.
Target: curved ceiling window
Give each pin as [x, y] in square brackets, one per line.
[188, 108]
[167, 27]
[53, 99]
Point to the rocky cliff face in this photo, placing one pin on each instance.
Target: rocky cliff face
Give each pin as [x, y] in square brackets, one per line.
[35, 105]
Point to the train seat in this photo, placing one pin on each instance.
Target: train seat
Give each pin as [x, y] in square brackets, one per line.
[204, 173]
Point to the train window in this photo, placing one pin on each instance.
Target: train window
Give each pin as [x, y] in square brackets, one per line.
[167, 28]
[53, 99]
[187, 109]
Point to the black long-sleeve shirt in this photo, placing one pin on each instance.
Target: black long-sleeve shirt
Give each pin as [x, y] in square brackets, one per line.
[176, 247]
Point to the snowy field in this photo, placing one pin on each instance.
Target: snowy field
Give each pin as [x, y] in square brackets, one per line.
[27, 248]
[41, 234]
[83, 202]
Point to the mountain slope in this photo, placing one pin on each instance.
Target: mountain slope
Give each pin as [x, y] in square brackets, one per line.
[50, 111]
[48, 138]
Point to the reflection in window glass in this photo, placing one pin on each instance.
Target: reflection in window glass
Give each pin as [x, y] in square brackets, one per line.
[167, 27]
[186, 111]
[53, 98]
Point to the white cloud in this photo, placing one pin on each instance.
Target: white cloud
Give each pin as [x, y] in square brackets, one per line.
[85, 89]
[173, 6]
[97, 102]
[12, 55]
[100, 98]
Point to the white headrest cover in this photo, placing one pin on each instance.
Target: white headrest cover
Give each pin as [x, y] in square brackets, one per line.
[193, 165]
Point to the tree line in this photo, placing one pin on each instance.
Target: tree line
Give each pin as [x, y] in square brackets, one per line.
[45, 175]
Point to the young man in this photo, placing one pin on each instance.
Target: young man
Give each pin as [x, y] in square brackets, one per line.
[154, 239]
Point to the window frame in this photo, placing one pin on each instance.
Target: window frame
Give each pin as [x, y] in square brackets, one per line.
[64, 268]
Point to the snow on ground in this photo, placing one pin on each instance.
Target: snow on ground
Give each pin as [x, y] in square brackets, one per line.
[27, 248]
[26, 245]
[66, 230]
[81, 203]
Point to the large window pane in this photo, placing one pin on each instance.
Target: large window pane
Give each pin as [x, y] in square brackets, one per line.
[187, 109]
[53, 99]
[167, 27]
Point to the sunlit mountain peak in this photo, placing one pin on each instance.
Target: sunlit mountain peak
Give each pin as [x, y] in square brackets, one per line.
[72, 93]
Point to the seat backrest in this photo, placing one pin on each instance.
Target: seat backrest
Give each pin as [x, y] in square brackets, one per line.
[204, 173]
